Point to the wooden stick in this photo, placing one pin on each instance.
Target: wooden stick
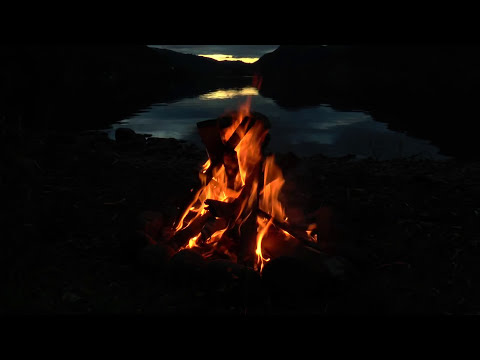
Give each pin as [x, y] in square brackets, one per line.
[297, 233]
[181, 238]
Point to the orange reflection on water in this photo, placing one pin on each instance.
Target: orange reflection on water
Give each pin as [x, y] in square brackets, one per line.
[230, 93]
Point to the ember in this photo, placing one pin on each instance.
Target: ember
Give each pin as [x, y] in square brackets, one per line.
[238, 202]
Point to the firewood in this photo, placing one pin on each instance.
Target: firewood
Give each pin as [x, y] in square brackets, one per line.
[240, 220]
[246, 124]
[220, 209]
[223, 153]
[240, 132]
[230, 162]
[275, 243]
[249, 227]
[211, 227]
[181, 238]
[210, 135]
[154, 256]
[248, 233]
[184, 269]
[293, 231]
[233, 284]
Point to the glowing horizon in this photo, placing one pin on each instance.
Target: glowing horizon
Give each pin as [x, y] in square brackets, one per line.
[225, 57]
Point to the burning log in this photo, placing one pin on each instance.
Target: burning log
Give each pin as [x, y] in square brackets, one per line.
[211, 227]
[210, 136]
[230, 161]
[220, 209]
[240, 132]
[181, 238]
[222, 152]
[237, 209]
[238, 201]
[291, 230]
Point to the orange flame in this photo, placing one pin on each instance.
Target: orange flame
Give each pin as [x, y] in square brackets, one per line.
[245, 193]
[273, 182]
[261, 233]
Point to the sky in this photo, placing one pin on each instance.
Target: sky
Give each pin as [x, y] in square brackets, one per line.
[245, 53]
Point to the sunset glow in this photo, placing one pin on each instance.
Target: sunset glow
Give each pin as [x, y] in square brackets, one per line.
[223, 57]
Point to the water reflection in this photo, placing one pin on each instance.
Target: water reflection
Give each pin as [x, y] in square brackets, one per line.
[229, 93]
[304, 131]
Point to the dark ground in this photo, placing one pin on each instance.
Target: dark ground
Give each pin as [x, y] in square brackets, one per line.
[404, 234]
[76, 207]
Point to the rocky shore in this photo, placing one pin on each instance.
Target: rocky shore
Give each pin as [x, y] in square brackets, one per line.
[80, 212]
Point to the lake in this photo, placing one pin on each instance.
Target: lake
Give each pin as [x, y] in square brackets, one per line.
[304, 131]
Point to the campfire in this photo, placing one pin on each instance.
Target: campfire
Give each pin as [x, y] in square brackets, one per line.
[236, 213]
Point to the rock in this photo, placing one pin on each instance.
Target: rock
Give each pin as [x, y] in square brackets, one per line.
[123, 135]
[75, 303]
[59, 146]
[154, 256]
[185, 269]
[94, 141]
[70, 297]
[138, 240]
[292, 281]
[338, 267]
[288, 280]
[55, 138]
[127, 139]
[29, 169]
[232, 284]
[165, 146]
[330, 269]
[89, 138]
[151, 223]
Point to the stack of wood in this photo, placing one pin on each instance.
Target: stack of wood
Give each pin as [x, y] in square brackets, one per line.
[221, 215]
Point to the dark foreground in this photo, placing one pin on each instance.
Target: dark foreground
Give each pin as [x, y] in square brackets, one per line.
[76, 209]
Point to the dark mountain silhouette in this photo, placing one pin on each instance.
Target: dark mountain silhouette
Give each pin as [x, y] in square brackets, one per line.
[56, 86]
[373, 74]
[428, 91]
[188, 65]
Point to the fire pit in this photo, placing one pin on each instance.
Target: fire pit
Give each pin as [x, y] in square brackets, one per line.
[236, 213]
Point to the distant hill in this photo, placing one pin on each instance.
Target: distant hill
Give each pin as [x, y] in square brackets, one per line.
[429, 91]
[373, 74]
[58, 85]
[188, 65]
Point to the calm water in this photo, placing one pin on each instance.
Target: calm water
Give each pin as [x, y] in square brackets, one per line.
[304, 131]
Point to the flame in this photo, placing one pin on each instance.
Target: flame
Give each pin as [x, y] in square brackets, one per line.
[273, 182]
[243, 110]
[247, 193]
[263, 228]
[192, 242]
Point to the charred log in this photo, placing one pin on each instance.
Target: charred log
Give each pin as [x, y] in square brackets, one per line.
[181, 238]
[230, 161]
